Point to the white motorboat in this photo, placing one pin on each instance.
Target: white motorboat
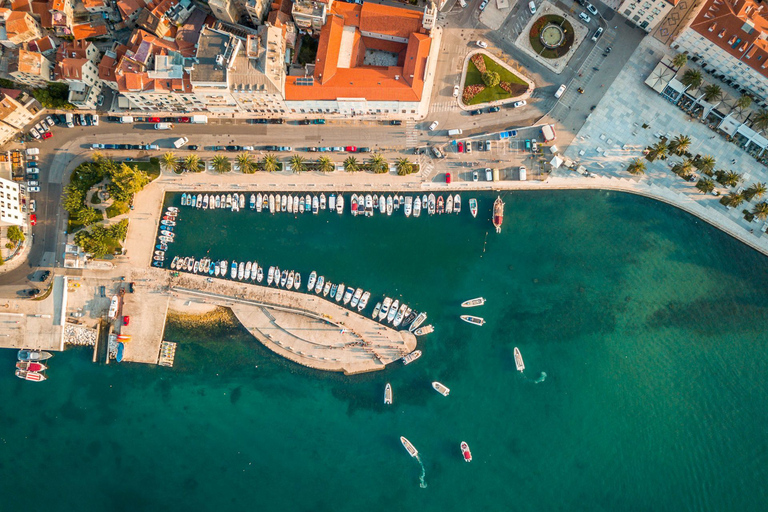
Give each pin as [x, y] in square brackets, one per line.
[332, 202]
[315, 205]
[417, 206]
[319, 285]
[253, 202]
[259, 202]
[363, 301]
[474, 320]
[356, 298]
[416, 323]
[271, 203]
[283, 278]
[297, 281]
[457, 203]
[441, 388]
[519, 360]
[412, 357]
[327, 288]
[400, 315]
[340, 204]
[260, 275]
[368, 205]
[311, 281]
[449, 204]
[473, 207]
[348, 295]
[270, 276]
[388, 394]
[408, 206]
[247, 273]
[471, 303]
[241, 270]
[432, 204]
[289, 283]
[322, 201]
[296, 204]
[242, 201]
[421, 331]
[340, 292]
[393, 311]
[408, 446]
[384, 308]
[376, 310]
[390, 205]
[382, 204]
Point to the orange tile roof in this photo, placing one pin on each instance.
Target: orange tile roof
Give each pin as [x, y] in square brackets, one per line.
[723, 22]
[41, 9]
[350, 12]
[71, 68]
[42, 45]
[94, 3]
[19, 23]
[128, 7]
[328, 48]
[21, 5]
[86, 30]
[58, 5]
[390, 21]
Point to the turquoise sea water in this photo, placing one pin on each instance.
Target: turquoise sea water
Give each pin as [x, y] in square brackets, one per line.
[649, 325]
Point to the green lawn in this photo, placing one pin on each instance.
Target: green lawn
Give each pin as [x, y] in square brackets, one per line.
[493, 93]
[151, 168]
[117, 208]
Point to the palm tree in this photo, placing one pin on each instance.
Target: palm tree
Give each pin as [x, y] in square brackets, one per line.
[298, 163]
[760, 121]
[325, 164]
[636, 166]
[169, 161]
[246, 163]
[691, 78]
[404, 166]
[351, 165]
[192, 163]
[683, 169]
[706, 164]
[760, 210]
[378, 163]
[270, 163]
[221, 164]
[706, 185]
[731, 179]
[733, 200]
[680, 144]
[744, 101]
[680, 60]
[755, 190]
[659, 150]
[712, 92]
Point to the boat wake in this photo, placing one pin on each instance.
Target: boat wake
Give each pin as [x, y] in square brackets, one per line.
[541, 379]
[422, 478]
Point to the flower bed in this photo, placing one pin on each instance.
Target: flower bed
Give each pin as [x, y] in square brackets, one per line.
[475, 91]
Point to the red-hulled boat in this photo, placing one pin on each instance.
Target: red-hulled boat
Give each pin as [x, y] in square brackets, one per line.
[465, 451]
[31, 366]
[498, 213]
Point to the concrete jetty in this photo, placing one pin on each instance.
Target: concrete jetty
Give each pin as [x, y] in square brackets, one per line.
[304, 328]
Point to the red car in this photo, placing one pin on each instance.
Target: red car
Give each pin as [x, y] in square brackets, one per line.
[183, 119]
[33, 219]
[154, 120]
[447, 177]
[47, 135]
[461, 147]
[126, 320]
[351, 149]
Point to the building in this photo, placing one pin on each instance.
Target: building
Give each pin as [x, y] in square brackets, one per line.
[729, 38]
[13, 113]
[257, 10]
[309, 15]
[76, 64]
[226, 10]
[10, 205]
[31, 68]
[96, 6]
[18, 28]
[62, 15]
[371, 60]
[646, 14]
[129, 10]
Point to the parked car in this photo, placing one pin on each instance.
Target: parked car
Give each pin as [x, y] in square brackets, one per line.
[318, 121]
[337, 149]
[303, 121]
[41, 128]
[456, 91]
[483, 4]
[532, 7]
[597, 34]
[219, 148]
[363, 150]
[481, 44]
[193, 147]
[468, 146]
[476, 112]
[123, 146]
[154, 120]
[351, 149]
[33, 183]
[324, 149]
[47, 135]
[488, 174]
[493, 109]
[32, 164]
[183, 120]
[591, 8]
[312, 150]
[584, 17]
[33, 189]
[257, 121]
[234, 148]
[32, 205]
[395, 123]
[475, 177]
[433, 125]
[487, 145]
[460, 147]
[436, 151]
[34, 133]
[518, 104]
[33, 219]
[95, 119]
[249, 148]
[126, 320]
[447, 177]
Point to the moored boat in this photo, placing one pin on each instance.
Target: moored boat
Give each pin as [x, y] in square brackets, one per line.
[385, 308]
[356, 298]
[457, 203]
[388, 394]
[519, 360]
[322, 201]
[327, 288]
[242, 201]
[421, 331]
[412, 357]
[354, 205]
[498, 213]
[473, 207]
[465, 452]
[271, 203]
[473, 302]
[441, 388]
[253, 202]
[270, 275]
[418, 321]
[319, 285]
[376, 310]
[289, 283]
[332, 201]
[241, 270]
[363, 301]
[348, 295]
[449, 204]
[311, 281]
[474, 320]
[390, 205]
[368, 205]
[283, 278]
[315, 205]
[233, 270]
[113, 307]
[393, 311]
[30, 376]
[33, 355]
[259, 274]
[417, 204]
[340, 204]
[31, 366]
[382, 204]
[297, 281]
[432, 204]
[412, 451]
[440, 205]
[408, 206]
[340, 292]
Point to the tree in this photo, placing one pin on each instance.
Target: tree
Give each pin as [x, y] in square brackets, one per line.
[73, 199]
[351, 165]
[706, 164]
[126, 181]
[325, 164]
[680, 144]
[680, 60]
[756, 190]
[118, 231]
[96, 241]
[659, 150]
[712, 92]
[221, 164]
[683, 169]
[169, 161]
[744, 101]
[731, 179]
[88, 216]
[706, 185]
[691, 78]
[760, 121]
[760, 210]
[270, 163]
[636, 166]
[491, 78]
[733, 200]
[378, 164]
[246, 163]
[15, 234]
[298, 163]
[193, 163]
[404, 166]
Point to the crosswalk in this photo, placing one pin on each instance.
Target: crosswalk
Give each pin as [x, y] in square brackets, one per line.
[411, 134]
[443, 106]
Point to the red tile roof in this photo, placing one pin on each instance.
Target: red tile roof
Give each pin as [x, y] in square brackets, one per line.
[86, 30]
[390, 21]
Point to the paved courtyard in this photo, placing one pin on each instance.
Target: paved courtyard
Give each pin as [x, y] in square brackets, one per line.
[614, 134]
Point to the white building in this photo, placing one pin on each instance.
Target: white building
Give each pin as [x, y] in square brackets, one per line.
[646, 14]
[10, 204]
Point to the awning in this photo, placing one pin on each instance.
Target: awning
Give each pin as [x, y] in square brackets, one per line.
[556, 162]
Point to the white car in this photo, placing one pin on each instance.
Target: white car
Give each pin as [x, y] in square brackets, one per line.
[456, 91]
[483, 4]
[462, 3]
[34, 133]
[519, 104]
[433, 125]
[468, 146]
[95, 119]
[532, 7]
[33, 183]
[585, 17]
[591, 8]
[33, 189]
[475, 177]
[481, 44]
[32, 206]
[249, 148]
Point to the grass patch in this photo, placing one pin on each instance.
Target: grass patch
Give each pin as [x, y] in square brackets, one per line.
[46, 293]
[493, 93]
[117, 208]
[151, 168]
[539, 48]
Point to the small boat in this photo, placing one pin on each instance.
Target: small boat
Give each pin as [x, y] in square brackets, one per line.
[167, 223]
[259, 203]
[223, 268]
[271, 203]
[241, 270]
[409, 317]
[441, 388]
[120, 351]
[340, 292]
[242, 201]
[332, 202]
[432, 204]
[113, 307]
[356, 298]
[217, 269]
[473, 207]
[233, 270]
[327, 288]
[277, 276]
[307, 203]
[417, 206]
[457, 203]
[322, 201]
[382, 205]
[421, 331]
[333, 290]
[319, 285]
[408, 206]
[363, 301]
[283, 202]
[295, 204]
[206, 198]
[473, 302]
[390, 205]
[368, 205]
[199, 200]
[340, 204]
[393, 311]
[388, 394]
[474, 320]
[184, 199]
[396, 202]
[212, 268]
[412, 357]
[408, 446]
[498, 213]
[162, 246]
[260, 275]
[440, 205]
[196, 267]
[228, 202]
[289, 208]
[192, 203]
[247, 273]
[384, 308]
[31, 376]
[375, 202]
[253, 202]
[301, 206]
[376, 310]
[217, 201]
[270, 276]
[173, 210]
[297, 281]
[283, 279]
[465, 452]
[311, 281]
[419, 320]
[449, 204]
[31, 366]
[400, 315]
[315, 205]
[519, 360]
[289, 283]
[354, 205]
[33, 355]
[348, 295]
